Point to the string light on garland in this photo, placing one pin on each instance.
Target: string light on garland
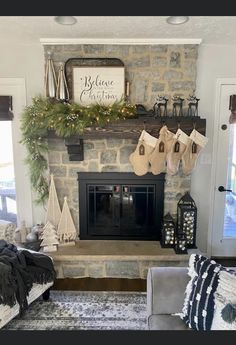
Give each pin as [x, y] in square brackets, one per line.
[66, 119]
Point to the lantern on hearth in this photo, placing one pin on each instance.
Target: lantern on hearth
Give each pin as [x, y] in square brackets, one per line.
[187, 219]
[168, 232]
[180, 244]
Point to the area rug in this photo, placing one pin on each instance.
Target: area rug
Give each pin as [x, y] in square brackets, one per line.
[80, 310]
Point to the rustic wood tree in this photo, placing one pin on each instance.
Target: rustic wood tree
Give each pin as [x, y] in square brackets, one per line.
[49, 238]
[53, 209]
[66, 228]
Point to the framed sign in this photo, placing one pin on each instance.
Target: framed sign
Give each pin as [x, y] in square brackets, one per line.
[92, 81]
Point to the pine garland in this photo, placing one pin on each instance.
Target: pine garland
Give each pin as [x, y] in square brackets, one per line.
[66, 119]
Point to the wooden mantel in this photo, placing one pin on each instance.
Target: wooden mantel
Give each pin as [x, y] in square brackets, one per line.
[131, 129]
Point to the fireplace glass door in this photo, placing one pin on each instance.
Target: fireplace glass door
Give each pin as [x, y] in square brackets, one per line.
[120, 206]
[123, 210]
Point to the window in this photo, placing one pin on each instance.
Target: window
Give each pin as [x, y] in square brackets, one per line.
[15, 175]
[7, 176]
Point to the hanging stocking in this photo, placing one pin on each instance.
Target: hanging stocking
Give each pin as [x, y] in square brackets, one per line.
[174, 156]
[158, 156]
[140, 157]
[196, 142]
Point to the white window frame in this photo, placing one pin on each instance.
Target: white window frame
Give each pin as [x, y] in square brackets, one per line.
[15, 87]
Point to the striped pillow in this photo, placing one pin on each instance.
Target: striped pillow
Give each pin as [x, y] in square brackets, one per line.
[225, 298]
[198, 309]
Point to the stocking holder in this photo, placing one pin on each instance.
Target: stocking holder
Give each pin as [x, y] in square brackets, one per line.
[160, 107]
[177, 106]
[193, 105]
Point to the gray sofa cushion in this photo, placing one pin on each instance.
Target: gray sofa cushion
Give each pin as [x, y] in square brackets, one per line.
[166, 289]
[166, 322]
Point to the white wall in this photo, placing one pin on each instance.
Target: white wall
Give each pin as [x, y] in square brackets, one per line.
[214, 61]
[23, 61]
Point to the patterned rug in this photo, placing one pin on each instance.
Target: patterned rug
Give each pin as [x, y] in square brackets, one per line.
[79, 310]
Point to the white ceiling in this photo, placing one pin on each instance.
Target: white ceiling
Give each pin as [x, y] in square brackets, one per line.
[212, 30]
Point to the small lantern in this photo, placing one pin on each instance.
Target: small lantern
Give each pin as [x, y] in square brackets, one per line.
[168, 232]
[180, 244]
[187, 219]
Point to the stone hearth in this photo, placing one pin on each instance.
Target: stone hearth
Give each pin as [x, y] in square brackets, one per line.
[114, 259]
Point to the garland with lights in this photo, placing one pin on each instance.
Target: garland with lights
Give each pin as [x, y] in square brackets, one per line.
[66, 119]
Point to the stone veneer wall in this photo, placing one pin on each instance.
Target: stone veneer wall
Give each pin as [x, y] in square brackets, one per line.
[168, 70]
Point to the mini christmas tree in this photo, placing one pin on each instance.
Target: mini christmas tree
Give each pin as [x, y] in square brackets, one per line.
[66, 228]
[49, 238]
[53, 210]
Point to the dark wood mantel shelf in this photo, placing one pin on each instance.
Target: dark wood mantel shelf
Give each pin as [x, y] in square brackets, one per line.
[131, 129]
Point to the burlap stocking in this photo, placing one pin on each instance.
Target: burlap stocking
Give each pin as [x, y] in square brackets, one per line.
[158, 156]
[140, 157]
[174, 156]
[196, 142]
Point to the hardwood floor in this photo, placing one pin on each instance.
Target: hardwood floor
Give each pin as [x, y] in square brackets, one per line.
[100, 284]
[228, 262]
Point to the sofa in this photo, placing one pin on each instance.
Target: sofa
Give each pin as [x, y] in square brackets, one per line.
[7, 313]
[165, 297]
[166, 292]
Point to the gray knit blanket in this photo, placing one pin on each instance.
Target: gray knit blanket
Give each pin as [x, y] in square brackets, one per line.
[19, 269]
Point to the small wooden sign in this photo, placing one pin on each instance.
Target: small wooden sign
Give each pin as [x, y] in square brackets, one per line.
[176, 148]
[161, 147]
[141, 150]
[194, 147]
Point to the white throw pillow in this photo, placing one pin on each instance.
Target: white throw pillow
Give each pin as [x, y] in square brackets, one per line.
[198, 308]
[7, 231]
[225, 294]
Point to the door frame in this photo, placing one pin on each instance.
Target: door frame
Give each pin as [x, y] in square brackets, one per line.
[216, 124]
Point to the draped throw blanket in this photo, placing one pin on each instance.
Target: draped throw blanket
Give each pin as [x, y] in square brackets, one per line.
[19, 269]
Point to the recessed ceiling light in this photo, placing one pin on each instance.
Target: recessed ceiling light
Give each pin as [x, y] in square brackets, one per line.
[177, 20]
[65, 20]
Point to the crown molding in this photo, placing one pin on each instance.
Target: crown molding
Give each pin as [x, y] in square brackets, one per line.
[123, 41]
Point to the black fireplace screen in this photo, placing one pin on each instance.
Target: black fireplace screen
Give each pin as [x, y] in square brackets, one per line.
[120, 206]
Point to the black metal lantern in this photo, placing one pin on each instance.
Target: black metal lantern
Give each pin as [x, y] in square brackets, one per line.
[187, 219]
[180, 244]
[168, 232]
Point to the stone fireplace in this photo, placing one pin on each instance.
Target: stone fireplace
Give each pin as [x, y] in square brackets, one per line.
[168, 70]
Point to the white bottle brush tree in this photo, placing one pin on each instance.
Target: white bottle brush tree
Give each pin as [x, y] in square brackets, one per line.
[66, 228]
[49, 238]
[53, 209]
